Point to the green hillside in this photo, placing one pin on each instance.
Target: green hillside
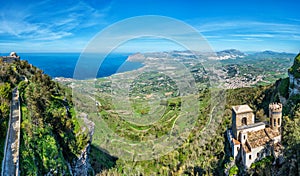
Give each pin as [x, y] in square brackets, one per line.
[51, 136]
[295, 69]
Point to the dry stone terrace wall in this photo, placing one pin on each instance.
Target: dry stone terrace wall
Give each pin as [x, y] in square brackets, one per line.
[10, 163]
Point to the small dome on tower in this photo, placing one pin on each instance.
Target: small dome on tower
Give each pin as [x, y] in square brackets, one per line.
[13, 54]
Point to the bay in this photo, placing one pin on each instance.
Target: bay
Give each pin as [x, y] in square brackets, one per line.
[63, 64]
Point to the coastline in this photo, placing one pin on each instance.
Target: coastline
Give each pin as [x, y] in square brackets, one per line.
[63, 65]
[65, 79]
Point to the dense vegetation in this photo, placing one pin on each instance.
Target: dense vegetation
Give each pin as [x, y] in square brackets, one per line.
[8, 79]
[50, 133]
[295, 68]
[5, 96]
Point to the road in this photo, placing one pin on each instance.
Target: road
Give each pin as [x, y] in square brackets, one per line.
[11, 153]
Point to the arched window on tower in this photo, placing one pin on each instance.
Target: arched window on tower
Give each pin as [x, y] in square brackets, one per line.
[278, 122]
[244, 121]
[274, 122]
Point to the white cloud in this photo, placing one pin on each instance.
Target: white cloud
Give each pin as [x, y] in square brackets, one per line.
[261, 29]
[45, 21]
[254, 35]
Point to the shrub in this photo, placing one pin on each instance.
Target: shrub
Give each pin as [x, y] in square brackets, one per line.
[234, 170]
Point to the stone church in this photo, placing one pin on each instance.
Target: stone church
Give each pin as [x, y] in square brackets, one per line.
[251, 141]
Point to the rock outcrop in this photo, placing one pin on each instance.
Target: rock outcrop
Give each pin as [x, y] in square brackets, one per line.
[294, 87]
[294, 77]
[82, 165]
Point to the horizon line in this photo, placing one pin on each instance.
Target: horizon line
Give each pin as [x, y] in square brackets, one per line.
[133, 52]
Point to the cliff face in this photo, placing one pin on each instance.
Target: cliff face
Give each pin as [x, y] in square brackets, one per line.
[294, 77]
[294, 87]
[81, 166]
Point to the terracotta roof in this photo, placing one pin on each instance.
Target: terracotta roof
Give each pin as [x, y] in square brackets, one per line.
[272, 134]
[246, 148]
[236, 142]
[241, 108]
[257, 138]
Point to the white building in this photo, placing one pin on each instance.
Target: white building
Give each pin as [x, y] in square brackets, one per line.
[250, 141]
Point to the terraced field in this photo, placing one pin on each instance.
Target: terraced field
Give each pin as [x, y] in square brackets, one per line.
[150, 111]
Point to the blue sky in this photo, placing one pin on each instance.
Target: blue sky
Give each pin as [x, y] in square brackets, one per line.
[69, 25]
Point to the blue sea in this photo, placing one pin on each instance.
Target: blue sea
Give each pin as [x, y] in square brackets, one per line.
[63, 64]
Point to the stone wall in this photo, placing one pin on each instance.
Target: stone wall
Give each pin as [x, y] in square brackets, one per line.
[9, 59]
[237, 121]
[256, 154]
[249, 116]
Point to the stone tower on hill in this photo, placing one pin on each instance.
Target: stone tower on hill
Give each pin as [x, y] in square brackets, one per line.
[275, 114]
[242, 115]
[251, 141]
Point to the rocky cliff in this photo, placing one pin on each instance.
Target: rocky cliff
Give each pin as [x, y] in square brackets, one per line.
[294, 77]
[81, 166]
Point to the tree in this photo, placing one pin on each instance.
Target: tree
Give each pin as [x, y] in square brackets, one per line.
[5, 91]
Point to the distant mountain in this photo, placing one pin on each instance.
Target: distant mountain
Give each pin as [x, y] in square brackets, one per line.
[268, 52]
[219, 55]
[236, 54]
[228, 54]
[272, 54]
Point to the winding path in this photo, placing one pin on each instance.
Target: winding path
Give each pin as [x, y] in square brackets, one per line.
[10, 163]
